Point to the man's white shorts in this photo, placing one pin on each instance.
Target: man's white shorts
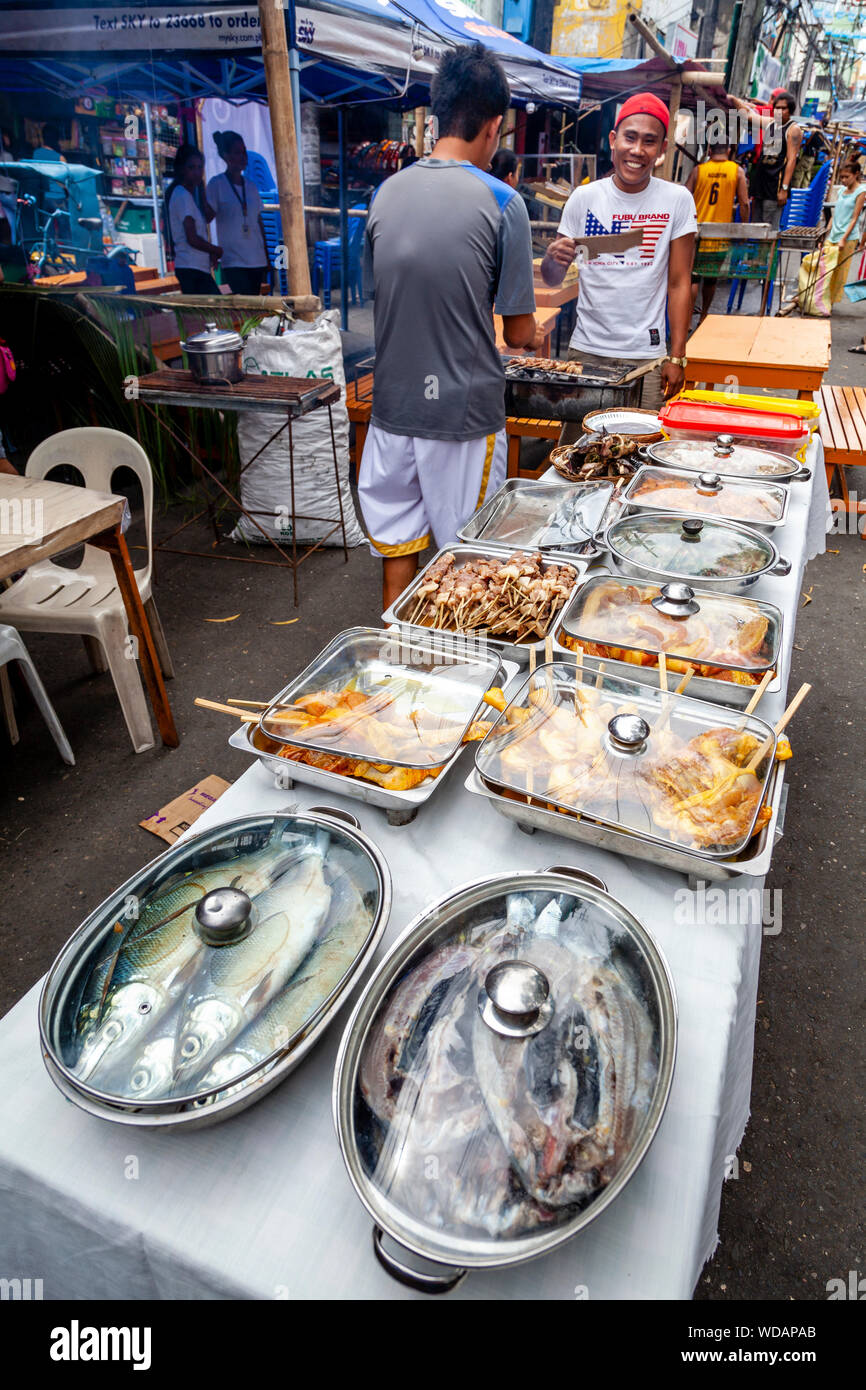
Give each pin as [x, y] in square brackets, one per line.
[414, 492]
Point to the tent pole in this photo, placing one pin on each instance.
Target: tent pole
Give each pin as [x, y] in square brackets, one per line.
[344, 222]
[154, 192]
[282, 114]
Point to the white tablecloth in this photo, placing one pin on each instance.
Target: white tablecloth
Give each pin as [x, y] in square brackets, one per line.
[261, 1206]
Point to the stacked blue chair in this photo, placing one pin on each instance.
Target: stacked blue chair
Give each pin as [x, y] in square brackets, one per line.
[327, 258]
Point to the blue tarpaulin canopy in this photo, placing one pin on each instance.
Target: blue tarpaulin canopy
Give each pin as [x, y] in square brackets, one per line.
[349, 50]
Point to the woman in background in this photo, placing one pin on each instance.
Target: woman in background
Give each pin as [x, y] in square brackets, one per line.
[238, 210]
[503, 166]
[187, 214]
[846, 229]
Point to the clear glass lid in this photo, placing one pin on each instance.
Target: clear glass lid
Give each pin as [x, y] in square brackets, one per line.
[658, 764]
[215, 960]
[707, 494]
[386, 697]
[716, 633]
[494, 1095]
[729, 459]
[691, 547]
[544, 516]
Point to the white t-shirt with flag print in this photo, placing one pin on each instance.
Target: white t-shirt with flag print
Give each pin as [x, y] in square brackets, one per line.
[621, 304]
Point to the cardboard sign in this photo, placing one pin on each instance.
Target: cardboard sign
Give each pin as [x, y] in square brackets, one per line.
[172, 820]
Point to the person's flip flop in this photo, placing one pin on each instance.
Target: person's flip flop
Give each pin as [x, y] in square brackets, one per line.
[861, 347]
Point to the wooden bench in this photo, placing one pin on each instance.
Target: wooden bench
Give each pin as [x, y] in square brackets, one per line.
[359, 403]
[843, 434]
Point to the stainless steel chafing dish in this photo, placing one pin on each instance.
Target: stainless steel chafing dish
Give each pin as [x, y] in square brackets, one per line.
[719, 556]
[560, 519]
[706, 631]
[442, 1085]
[401, 610]
[722, 455]
[207, 977]
[619, 764]
[400, 806]
[753, 502]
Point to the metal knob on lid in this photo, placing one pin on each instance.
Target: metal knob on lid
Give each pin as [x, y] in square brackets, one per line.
[676, 601]
[692, 528]
[224, 917]
[724, 445]
[516, 999]
[709, 482]
[628, 732]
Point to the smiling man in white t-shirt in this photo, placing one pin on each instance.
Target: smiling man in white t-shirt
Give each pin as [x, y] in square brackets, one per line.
[622, 299]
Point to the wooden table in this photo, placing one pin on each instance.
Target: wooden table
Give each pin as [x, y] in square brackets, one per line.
[789, 354]
[359, 403]
[546, 320]
[39, 518]
[843, 433]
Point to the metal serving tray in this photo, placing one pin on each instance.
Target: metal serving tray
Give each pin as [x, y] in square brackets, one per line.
[753, 861]
[507, 499]
[633, 503]
[440, 662]
[401, 807]
[699, 687]
[517, 652]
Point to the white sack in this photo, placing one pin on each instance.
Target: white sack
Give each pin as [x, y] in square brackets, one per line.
[305, 349]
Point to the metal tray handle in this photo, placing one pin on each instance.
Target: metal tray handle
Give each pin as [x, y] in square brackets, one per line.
[335, 813]
[782, 566]
[414, 1278]
[571, 871]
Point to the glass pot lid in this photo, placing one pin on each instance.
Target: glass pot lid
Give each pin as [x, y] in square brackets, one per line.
[722, 455]
[671, 769]
[213, 960]
[387, 697]
[707, 494]
[690, 547]
[716, 633]
[485, 1103]
[214, 339]
[543, 516]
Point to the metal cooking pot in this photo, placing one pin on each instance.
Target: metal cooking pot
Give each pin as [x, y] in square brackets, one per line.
[206, 978]
[501, 991]
[214, 355]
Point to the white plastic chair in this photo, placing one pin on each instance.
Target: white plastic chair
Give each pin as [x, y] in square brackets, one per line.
[49, 598]
[13, 649]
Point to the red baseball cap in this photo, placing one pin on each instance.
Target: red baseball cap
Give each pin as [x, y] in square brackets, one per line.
[644, 104]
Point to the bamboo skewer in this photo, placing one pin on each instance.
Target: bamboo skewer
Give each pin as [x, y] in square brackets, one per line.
[251, 704]
[246, 716]
[751, 706]
[663, 671]
[782, 724]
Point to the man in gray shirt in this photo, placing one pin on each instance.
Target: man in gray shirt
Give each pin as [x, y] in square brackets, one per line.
[446, 245]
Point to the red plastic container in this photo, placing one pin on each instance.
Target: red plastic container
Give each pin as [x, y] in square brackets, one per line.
[784, 434]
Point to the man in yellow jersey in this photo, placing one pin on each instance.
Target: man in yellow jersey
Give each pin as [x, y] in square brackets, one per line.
[715, 185]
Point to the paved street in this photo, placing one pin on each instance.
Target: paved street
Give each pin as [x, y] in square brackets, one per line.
[793, 1217]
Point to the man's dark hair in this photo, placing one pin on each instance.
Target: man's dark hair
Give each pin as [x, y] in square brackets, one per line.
[50, 135]
[503, 163]
[470, 88]
[789, 100]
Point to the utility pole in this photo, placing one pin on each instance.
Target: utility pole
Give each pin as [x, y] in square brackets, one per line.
[747, 43]
[707, 30]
